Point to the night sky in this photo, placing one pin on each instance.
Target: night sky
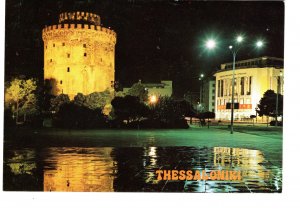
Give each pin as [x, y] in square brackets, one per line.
[156, 40]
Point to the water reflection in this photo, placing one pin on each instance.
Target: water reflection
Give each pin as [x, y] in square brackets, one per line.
[107, 169]
[79, 169]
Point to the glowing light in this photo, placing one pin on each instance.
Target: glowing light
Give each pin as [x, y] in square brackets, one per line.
[153, 99]
[239, 39]
[210, 44]
[230, 47]
[259, 44]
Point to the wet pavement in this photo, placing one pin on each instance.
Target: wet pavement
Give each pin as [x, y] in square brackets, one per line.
[132, 169]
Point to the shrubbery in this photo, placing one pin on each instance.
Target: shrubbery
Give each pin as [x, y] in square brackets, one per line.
[71, 115]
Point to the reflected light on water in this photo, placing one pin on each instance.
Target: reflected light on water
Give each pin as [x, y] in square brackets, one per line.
[78, 170]
[132, 169]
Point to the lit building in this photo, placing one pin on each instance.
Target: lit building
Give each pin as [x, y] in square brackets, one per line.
[79, 54]
[207, 95]
[253, 77]
[164, 88]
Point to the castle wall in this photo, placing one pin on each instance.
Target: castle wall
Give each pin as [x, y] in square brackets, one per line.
[78, 58]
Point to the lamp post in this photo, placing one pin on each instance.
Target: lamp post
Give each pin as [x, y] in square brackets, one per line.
[201, 90]
[211, 44]
[278, 84]
[234, 51]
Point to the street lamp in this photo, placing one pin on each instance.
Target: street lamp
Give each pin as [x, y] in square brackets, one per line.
[278, 90]
[234, 51]
[210, 44]
[153, 99]
[201, 90]
[259, 43]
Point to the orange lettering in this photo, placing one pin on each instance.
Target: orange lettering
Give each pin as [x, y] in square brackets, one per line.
[181, 175]
[174, 174]
[197, 175]
[159, 172]
[189, 175]
[167, 174]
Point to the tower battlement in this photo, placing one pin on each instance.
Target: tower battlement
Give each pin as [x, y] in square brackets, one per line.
[79, 26]
[79, 17]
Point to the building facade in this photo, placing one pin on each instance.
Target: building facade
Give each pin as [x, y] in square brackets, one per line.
[79, 54]
[253, 78]
[207, 95]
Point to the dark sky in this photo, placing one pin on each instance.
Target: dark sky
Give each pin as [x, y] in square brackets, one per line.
[156, 40]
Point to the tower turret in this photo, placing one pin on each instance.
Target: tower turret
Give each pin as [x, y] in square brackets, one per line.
[79, 54]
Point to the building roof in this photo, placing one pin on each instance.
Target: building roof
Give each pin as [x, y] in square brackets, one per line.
[260, 62]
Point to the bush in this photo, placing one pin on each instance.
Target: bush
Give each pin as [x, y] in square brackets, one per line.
[273, 122]
[71, 115]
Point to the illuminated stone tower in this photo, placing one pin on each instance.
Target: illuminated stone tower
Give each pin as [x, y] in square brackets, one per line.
[79, 55]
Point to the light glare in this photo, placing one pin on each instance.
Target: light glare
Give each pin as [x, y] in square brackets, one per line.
[259, 44]
[239, 39]
[210, 44]
[153, 99]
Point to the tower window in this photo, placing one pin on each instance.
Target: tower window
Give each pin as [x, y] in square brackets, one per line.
[63, 44]
[84, 54]
[68, 55]
[61, 82]
[68, 69]
[50, 60]
[46, 46]
[53, 45]
[84, 45]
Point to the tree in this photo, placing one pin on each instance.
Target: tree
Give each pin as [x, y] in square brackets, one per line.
[95, 100]
[169, 111]
[56, 102]
[98, 99]
[139, 90]
[71, 115]
[80, 99]
[267, 104]
[20, 97]
[129, 108]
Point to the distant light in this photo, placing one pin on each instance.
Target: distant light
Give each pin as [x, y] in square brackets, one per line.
[239, 39]
[153, 99]
[230, 47]
[210, 44]
[202, 75]
[259, 44]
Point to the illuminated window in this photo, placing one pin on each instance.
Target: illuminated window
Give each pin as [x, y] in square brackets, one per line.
[61, 82]
[68, 69]
[84, 54]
